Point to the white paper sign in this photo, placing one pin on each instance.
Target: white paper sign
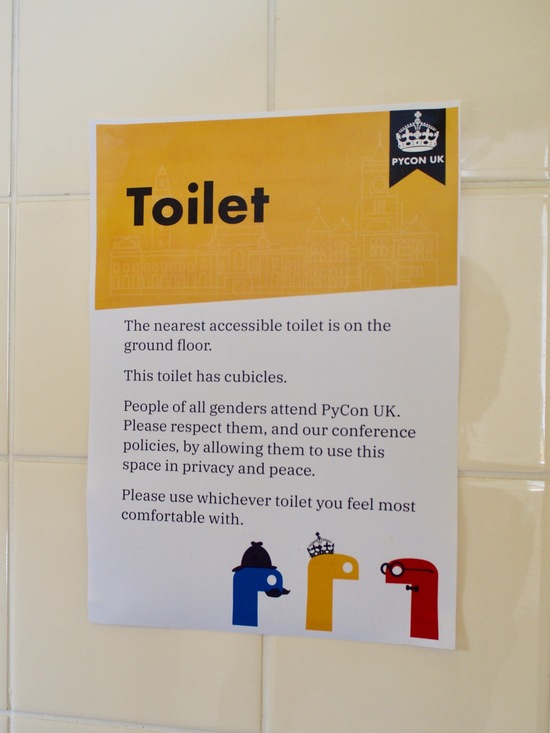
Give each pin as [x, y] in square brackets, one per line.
[274, 375]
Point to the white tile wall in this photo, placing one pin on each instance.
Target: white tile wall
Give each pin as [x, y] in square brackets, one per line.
[74, 61]
[493, 57]
[504, 330]
[51, 389]
[494, 682]
[130, 58]
[66, 666]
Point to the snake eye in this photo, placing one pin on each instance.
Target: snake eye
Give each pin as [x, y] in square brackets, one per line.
[396, 569]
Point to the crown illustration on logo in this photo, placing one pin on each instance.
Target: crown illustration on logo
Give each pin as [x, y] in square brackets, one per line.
[417, 135]
[320, 546]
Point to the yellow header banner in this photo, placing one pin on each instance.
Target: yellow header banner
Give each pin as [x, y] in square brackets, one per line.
[275, 206]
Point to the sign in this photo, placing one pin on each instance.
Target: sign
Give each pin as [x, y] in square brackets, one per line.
[274, 330]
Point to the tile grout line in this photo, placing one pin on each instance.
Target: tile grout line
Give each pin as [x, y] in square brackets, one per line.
[11, 345]
[504, 473]
[271, 20]
[99, 722]
[545, 377]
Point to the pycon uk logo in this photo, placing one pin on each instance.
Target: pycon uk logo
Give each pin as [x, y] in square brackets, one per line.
[417, 142]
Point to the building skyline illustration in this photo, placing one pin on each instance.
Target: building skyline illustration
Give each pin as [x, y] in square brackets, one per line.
[379, 250]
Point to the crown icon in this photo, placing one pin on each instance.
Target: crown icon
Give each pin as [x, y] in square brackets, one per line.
[417, 135]
[320, 546]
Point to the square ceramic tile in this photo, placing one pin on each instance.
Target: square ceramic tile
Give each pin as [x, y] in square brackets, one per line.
[494, 60]
[64, 665]
[5, 95]
[4, 725]
[503, 332]
[495, 682]
[3, 586]
[87, 60]
[4, 293]
[51, 328]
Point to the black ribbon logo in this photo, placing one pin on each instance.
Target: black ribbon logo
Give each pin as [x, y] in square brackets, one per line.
[417, 142]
